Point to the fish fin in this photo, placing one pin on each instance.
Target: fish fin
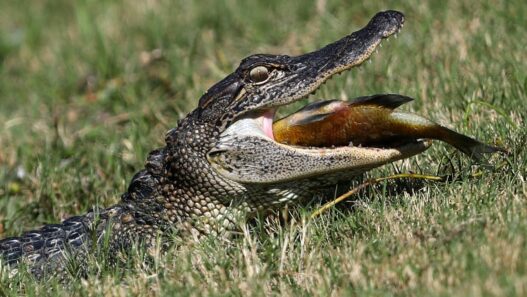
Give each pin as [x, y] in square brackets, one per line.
[313, 112]
[316, 105]
[312, 119]
[470, 146]
[478, 150]
[391, 101]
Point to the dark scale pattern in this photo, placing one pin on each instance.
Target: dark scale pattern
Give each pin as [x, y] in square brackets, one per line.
[210, 175]
[216, 196]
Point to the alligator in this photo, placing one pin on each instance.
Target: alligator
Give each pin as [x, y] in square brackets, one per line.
[221, 165]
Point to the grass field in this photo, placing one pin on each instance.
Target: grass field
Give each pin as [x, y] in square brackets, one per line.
[88, 88]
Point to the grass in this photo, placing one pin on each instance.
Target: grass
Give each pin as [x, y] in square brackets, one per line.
[88, 88]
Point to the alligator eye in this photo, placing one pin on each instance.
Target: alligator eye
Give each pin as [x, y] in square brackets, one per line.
[259, 74]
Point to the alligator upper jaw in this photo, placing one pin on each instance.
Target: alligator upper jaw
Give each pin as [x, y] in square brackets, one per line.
[349, 52]
[293, 78]
[354, 49]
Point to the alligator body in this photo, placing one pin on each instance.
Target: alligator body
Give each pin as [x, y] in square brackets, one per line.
[221, 164]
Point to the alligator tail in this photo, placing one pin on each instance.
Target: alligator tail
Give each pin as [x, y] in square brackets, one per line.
[47, 250]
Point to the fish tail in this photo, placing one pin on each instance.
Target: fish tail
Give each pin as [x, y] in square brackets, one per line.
[470, 146]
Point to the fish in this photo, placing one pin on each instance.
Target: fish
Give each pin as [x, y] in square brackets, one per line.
[368, 121]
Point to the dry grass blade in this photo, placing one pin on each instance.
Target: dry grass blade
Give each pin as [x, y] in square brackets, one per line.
[368, 183]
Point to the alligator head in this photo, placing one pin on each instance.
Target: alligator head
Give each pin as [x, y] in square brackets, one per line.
[246, 151]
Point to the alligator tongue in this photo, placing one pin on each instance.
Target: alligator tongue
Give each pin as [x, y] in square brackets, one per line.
[268, 123]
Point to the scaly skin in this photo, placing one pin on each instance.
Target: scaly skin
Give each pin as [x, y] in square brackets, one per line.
[220, 164]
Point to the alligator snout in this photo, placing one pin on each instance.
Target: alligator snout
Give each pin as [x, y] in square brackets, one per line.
[386, 22]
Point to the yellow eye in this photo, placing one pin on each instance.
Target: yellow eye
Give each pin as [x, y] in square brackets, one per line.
[259, 74]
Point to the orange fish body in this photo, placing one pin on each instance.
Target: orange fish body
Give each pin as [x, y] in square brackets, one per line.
[367, 121]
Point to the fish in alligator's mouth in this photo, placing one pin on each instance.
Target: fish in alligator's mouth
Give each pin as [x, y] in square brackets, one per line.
[247, 150]
[368, 121]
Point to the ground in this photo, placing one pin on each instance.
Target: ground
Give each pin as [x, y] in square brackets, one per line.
[88, 88]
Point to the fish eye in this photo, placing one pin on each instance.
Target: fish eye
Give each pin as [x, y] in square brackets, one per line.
[259, 74]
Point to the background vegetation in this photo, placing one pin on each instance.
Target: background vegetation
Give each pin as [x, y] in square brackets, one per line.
[88, 88]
